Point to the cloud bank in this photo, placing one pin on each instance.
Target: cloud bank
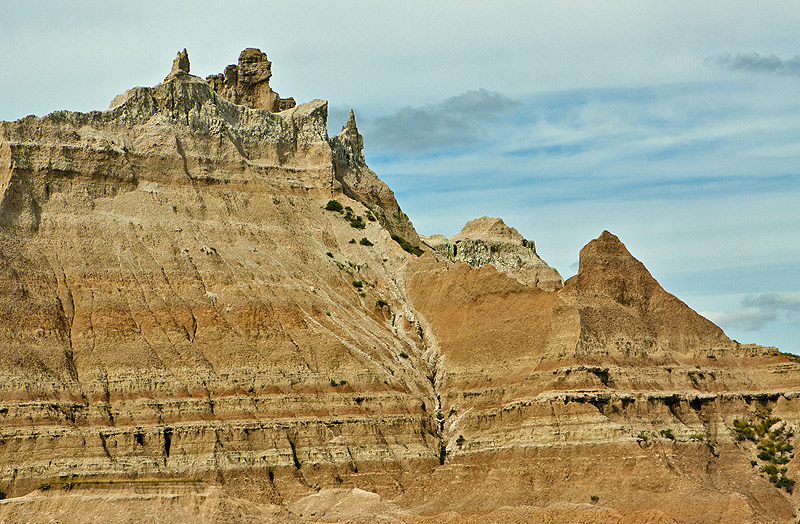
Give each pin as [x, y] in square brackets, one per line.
[760, 310]
[755, 63]
[456, 122]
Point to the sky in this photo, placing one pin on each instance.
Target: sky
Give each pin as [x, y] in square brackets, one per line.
[674, 125]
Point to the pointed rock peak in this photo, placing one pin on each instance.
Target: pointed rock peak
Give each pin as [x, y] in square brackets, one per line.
[350, 143]
[607, 236]
[489, 228]
[606, 267]
[350, 132]
[606, 251]
[607, 244]
[180, 66]
[350, 125]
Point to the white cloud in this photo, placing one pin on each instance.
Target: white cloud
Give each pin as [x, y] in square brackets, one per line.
[774, 302]
[749, 319]
[758, 311]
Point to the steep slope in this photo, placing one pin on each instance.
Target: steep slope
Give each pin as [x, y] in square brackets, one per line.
[191, 329]
[563, 396]
[177, 301]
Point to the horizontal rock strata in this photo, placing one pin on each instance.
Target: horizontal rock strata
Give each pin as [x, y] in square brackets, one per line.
[211, 309]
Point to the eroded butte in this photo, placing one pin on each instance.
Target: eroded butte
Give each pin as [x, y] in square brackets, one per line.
[212, 311]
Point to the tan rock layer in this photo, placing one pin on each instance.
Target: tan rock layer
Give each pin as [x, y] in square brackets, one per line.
[175, 301]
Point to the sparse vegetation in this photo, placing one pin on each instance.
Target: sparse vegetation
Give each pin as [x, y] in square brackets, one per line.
[358, 284]
[2, 494]
[44, 486]
[460, 440]
[697, 436]
[328, 313]
[404, 354]
[594, 498]
[667, 433]
[439, 415]
[792, 357]
[370, 216]
[329, 254]
[356, 222]
[414, 250]
[365, 241]
[352, 241]
[772, 443]
[334, 205]
[381, 303]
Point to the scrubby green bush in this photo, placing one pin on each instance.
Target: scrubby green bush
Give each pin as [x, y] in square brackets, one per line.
[365, 242]
[356, 222]
[334, 205]
[773, 445]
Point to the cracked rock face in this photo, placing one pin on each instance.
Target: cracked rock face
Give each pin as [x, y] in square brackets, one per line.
[187, 332]
[486, 241]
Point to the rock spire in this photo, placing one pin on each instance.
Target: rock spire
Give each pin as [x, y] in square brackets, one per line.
[247, 83]
[180, 66]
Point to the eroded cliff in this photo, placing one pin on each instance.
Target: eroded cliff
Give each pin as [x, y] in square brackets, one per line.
[189, 322]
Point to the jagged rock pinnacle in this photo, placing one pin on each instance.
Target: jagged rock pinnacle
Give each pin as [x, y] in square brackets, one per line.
[352, 142]
[180, 66]
[247, 83]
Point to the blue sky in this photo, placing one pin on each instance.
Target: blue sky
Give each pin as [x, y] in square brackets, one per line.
[675, 125]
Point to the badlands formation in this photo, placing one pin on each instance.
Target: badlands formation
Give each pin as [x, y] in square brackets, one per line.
[194, 331]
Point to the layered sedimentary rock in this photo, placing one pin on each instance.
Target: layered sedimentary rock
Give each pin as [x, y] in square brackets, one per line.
[487, 240]
[176, 301]
[189, 330]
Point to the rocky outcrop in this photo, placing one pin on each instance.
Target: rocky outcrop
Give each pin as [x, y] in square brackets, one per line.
[175, 301]
[187, 332]
[623, 307]
[359, 182]
[247, 83]
[486, 240]
[180, 66]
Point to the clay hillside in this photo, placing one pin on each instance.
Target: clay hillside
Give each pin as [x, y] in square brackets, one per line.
[213, 311]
